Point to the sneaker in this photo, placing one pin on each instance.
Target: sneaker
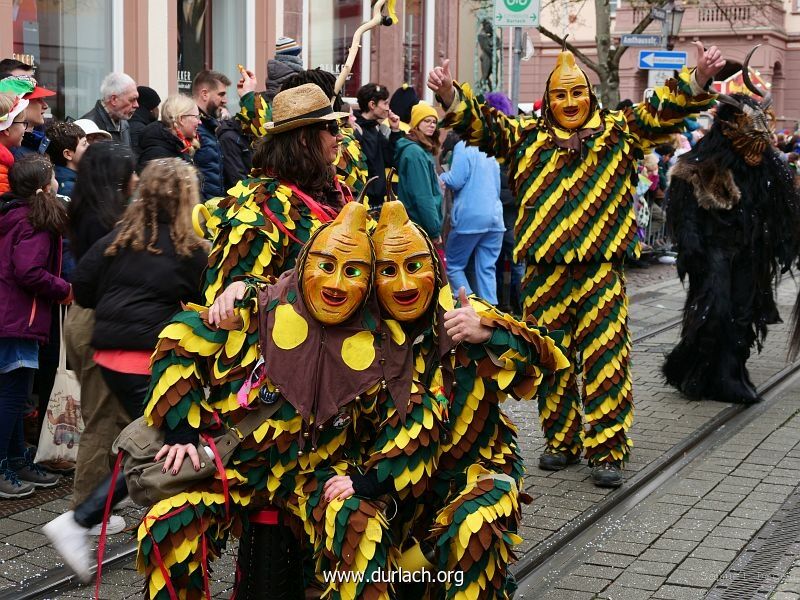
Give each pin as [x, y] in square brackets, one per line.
[71, 541]
[553, 459]
[10, 485]
[607, 475]
[115, 525]
[33, 474]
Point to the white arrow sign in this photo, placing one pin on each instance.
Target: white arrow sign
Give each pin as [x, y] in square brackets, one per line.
[652, 59]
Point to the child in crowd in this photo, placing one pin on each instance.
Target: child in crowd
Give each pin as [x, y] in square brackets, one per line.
[12, 128]
[67, 145]
[32, 221]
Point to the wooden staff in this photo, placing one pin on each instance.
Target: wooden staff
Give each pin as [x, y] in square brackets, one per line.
[377, 19]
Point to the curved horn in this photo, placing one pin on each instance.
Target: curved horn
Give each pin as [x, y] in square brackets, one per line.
[376, 20]
[748, 83]
[725, 99]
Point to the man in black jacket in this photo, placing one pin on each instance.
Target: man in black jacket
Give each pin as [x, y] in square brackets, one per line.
[210, 93]
[119, 100]
[377, 140]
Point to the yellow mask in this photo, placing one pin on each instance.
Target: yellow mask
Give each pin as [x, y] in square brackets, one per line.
[405, 278]
[337, 269]
[568, 93]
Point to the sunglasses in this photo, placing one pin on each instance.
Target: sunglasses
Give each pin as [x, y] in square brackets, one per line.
[332, 127]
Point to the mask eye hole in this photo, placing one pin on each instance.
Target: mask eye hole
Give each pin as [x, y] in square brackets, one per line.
[389, 271]
[352, 271]
[326, 266]
[414, 266]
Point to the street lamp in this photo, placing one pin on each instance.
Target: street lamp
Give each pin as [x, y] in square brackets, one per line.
[672, 24]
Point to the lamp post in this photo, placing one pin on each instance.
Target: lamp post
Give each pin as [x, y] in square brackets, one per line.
[671, 25]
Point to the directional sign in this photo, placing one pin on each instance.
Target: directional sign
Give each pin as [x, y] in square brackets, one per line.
[661, 59]
[516, 13]
[642, 40]
[659, 14]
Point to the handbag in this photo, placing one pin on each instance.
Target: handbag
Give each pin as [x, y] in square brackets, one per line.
[63, 425]
[138, 444]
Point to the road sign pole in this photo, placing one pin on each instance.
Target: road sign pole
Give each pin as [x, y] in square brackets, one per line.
[517, 50]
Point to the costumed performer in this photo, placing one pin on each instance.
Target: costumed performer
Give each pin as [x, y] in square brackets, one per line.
[734, 213]
[571, 171]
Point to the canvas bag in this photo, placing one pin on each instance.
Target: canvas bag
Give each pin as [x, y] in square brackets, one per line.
[62, 425]
[138, 444]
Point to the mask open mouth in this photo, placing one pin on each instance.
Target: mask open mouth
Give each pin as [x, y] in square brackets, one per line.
[406, 297]
[571, 111]
[333, 297]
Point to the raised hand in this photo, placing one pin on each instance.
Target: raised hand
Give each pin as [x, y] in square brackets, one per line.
[709, 62]
[440, 81]
[247, 82]
[463, 324]
[394, 121]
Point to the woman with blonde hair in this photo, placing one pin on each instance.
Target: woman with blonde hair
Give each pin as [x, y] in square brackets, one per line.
[174, 135]
[12, 128]
[135, 278]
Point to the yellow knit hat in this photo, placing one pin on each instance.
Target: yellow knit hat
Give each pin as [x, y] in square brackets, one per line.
[421, 110]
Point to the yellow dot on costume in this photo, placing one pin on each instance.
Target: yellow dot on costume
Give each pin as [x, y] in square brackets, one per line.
[446, 298]
[290, 329]
[398, 335]
[358, 351]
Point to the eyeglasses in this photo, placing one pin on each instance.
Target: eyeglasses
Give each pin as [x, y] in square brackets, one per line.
[332, 127]
[194, 116]
[23, 123]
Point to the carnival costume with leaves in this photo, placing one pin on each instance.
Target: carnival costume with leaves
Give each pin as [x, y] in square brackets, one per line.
[351, 164]
[470, 512]
[326, 426]
[574, 228]
[734, 213]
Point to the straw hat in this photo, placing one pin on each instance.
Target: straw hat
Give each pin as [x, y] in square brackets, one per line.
[300, 106]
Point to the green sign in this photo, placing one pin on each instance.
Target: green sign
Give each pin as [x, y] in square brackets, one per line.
[516, 13]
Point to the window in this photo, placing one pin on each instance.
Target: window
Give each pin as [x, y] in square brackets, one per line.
[70, 44]
[613, 5]
[331, 32]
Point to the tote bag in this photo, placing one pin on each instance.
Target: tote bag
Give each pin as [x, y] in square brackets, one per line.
[62, 426]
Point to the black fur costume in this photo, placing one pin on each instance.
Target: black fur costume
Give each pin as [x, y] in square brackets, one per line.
[736, 228]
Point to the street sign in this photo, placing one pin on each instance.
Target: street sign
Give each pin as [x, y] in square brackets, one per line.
[657, 77]
[642, 40]
[661, 59]
[516, 13]
[659, 14]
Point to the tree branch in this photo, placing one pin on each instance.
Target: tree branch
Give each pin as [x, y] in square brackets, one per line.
[594, 66]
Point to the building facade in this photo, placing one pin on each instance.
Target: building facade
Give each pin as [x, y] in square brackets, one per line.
[163, 43]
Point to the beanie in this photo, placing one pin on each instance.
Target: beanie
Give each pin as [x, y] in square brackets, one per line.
[422, 110]
[148, 97]
[287, 45]
[402, 100]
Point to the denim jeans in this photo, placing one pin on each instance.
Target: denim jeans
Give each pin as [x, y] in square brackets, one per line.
[15, 388]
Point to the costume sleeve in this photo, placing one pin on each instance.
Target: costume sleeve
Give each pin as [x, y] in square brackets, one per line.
[251, 231]
[519, 357]
[682, 222]
[663, 114]
[480, 125]
[191, 356]
[254, 114]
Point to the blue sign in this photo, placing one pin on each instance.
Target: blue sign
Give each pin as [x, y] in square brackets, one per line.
[642, 40]
[661, 59]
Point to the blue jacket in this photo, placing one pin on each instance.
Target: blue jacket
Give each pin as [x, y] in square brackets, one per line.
[66, 180]
[475, 179]
[418, 186]
[208, 158]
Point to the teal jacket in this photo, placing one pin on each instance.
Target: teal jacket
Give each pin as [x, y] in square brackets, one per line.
[418, 186]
